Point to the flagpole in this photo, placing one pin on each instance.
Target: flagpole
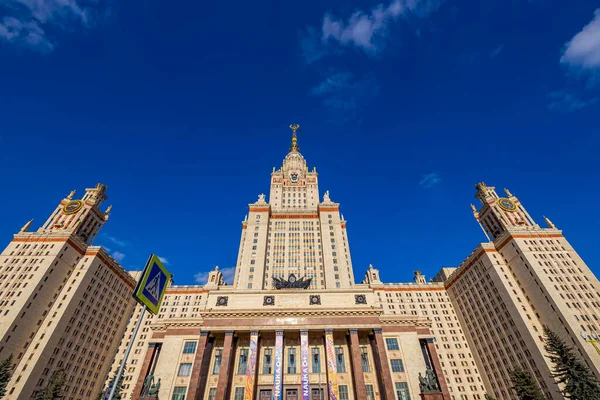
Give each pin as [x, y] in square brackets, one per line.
[135, 331]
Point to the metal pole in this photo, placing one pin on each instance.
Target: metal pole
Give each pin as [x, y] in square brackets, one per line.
[118, 377]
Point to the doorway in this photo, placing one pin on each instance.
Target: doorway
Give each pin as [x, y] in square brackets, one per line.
[291, 394]
[316, 394]
[265, 394]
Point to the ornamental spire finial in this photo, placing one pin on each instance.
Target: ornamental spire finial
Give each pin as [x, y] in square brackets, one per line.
[294, 146]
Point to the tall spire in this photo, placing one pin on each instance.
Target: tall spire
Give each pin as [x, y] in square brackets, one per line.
[294, 146]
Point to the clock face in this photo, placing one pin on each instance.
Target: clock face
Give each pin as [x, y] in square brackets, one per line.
[72, 207]
[507, 204]
[294, 177]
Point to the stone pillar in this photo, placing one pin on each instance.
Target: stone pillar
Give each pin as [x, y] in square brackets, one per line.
[224, 378]
[386, 386]
[360, 389]
[437, 368]
[151, 352]
[196, 392]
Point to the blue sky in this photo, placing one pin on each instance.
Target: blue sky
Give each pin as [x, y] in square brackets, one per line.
[182, 110]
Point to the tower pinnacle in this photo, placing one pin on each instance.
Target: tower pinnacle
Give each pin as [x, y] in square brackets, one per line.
[294, 146]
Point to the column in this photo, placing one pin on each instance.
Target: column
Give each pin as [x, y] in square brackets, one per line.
[437, 368]
[146, 366]
[360, 389]
[195, 391]
[224, 378]
[386, 386]
[278, 366]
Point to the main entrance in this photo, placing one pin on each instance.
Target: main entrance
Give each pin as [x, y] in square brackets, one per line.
[316, 394]
[265, 395]
[291, 394]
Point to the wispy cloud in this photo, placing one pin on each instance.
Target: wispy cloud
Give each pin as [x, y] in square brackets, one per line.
[494, 53]
[228, 275]
[365, 31]
[114, 240]
[118, 256]
[27, 22]
[163, 260]
[429, 180]
[566, 101]
[583, 50]
[342, 91]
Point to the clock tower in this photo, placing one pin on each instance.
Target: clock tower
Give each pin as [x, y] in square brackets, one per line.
[498, 214]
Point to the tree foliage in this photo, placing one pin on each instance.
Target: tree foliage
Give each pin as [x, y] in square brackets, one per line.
[570, 371]
[118, 391]
[6, 367]
[54, 388]
[524, 384]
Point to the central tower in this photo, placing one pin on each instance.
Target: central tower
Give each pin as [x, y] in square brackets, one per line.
[294, 233]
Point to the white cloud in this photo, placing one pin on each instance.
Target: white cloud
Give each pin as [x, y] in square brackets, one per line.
[366, 30]
[118, 256]
[28, 21]
[228, 275]
[163, 260]
[429, 180]
[583, 50]
[114, 240]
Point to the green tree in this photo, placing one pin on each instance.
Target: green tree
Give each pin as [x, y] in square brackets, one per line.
[574, 376]
[118, 393]
[6, 367]
[525, 385]
[54, 388]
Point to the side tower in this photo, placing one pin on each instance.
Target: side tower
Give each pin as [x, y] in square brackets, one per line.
[294, 233]
[63, 303]
[508, 289]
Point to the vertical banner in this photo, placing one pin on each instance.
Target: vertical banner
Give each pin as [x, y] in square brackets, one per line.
[278, 374]
[304, 365]
[251, 368]
[331, 367]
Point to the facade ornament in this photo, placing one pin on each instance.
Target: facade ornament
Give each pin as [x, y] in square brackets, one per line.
[70, 196]
[473, 208]
[25, 227]
[549, 223]
[429, 382]
[108, 210]
[292, 282]
[261, 198]
[150, 389]
[508, 193]
[326, 198]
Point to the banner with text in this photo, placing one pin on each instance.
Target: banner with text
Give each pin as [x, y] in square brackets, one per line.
[331, 367]
[278, 374]
[251, 368]
[304, 365]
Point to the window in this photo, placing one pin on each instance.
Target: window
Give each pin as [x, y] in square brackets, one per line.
[243, 362]
[239, 393]
[370, 393]
[339, 359]
[217, 365]
[291, 360]
[267, 361]
[212, 392]
[392, 343]
[189, 348]
[364, 356]
[397, 366]
[343, 392]
[179, 393]
[402, 391]
[185, 369]
[316, 360]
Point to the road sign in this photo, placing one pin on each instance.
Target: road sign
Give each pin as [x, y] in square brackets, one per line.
[152, 284]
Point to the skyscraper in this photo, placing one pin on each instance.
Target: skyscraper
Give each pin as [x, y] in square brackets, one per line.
[63, 303]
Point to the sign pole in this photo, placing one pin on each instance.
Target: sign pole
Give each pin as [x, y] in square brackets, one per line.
[122, 367]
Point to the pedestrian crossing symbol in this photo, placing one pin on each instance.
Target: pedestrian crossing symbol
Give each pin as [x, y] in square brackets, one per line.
[152, 284]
